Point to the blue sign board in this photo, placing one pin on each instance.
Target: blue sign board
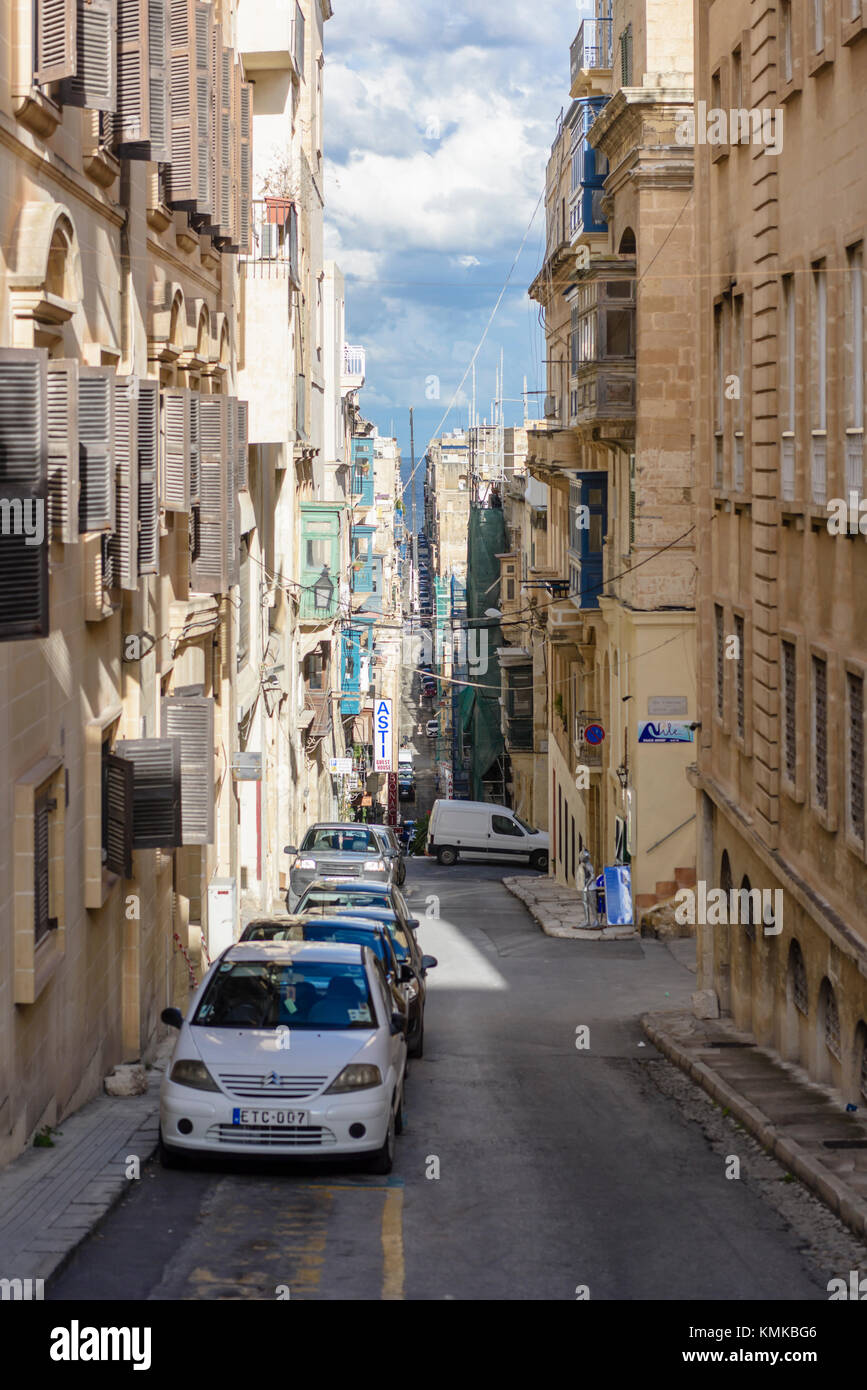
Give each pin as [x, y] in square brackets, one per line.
[618, 895]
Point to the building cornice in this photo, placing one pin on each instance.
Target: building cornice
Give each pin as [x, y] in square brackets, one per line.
[62, 175]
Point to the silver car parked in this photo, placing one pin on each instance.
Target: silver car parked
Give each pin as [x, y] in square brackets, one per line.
[335, 851]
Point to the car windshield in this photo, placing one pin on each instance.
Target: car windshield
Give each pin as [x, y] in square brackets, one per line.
[269, 931]
[319, 898]
[346, 841]
[524, 826]
[349, 936]
[314, 995]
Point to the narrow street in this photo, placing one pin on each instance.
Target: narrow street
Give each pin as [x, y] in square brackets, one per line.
[557, 1167]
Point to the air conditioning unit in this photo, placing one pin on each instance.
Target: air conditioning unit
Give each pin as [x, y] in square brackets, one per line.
[552, 407]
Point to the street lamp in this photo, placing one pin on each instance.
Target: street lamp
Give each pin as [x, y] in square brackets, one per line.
[323, 591]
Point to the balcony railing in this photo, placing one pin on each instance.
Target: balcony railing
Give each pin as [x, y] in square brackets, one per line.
[274, 243]
[592, 47]
[353, 361]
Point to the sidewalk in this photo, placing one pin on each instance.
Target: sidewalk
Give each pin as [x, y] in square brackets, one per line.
[803, 1124]
[561, 911]
[51, 1199]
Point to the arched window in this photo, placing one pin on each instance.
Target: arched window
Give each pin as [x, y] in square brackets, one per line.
[748, 918]
[798, 979]
[726, 882]
[627, 243]
[202, 336]
[830, 1016]
[59, 279]
[861, 1057]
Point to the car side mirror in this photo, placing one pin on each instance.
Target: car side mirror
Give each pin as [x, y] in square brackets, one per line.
[428, 962]
[398, 1024]
[406, 974]
[290, 849]
[172, 1017]
[413, 922]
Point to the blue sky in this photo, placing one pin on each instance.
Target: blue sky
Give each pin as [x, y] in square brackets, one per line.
[438, 125]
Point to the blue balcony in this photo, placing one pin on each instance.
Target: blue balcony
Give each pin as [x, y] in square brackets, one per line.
[588, 173]
[363, 568]
[588, 525]
[362, 472]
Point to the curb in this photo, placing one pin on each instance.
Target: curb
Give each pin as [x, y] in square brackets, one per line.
[554, 926]
[851, 1210]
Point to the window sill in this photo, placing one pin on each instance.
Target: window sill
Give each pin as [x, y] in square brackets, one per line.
[818, 62]
[101, 166]
[38, 113]
[30, 982]
[852, 29]
[159, 217]
[790, 89]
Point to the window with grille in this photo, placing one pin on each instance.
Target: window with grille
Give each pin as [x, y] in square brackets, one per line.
[739, 675]
[720, 660]
[245, 597]
[626, 57]
[44, 804]
[832, 1021]
[790, 727]
[855, 706]
[719, 394]
[799, 979]
[820, 731]
[749, 917]
[864, 1063]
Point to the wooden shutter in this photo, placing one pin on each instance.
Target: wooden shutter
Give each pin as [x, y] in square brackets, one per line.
[241, 457]
[224, 190]
[195, 466]
[191, 719]
[232, 511]
[209, 570]
[188, 175]
[204, 83]
[235, 172]
[95, 436]
[56, 47]
[215, 125]
[148, 493]
[94, 84]
[132, 120]
[123, 547]
[23, 490]
[147, 85]
[118, 799]
[156, 819]
[62, 423]
[245, 180]
[175, 470]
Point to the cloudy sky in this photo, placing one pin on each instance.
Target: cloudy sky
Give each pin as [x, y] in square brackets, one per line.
[439, 120]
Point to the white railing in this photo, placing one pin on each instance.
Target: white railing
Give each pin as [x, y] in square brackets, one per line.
[591, 48]
[353, 360]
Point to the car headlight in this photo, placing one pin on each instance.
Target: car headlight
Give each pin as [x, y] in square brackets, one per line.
[374, 864]
[358, 1076]
[195, 1074]
[306, 864]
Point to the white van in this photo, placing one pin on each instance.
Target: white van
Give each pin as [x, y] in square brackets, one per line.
[479, 830]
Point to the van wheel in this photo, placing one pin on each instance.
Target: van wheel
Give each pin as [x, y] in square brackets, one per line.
[449, 856]
[539, 860]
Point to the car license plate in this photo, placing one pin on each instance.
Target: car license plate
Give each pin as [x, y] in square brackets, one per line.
[268, 1117]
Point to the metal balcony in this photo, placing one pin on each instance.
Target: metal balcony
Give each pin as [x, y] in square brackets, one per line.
[591, 49]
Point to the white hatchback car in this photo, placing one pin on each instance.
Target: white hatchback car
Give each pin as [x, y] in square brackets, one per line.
[289, 1047]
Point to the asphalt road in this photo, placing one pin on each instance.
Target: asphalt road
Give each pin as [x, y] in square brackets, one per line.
[530, 1167]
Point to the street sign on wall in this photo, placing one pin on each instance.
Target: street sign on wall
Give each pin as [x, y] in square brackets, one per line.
[341, 767]
[382, 736]
[664, 731]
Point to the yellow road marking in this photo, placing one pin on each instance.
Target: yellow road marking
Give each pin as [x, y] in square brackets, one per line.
[392, 1244]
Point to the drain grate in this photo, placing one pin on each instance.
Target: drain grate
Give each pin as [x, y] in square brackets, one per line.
[845, 1143]
[731, 1044]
